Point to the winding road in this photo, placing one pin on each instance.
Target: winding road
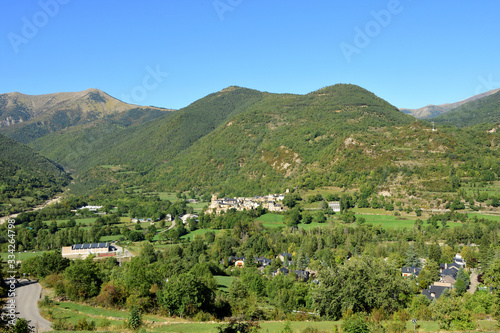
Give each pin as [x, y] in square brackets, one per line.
[57, 199]
[27, 296]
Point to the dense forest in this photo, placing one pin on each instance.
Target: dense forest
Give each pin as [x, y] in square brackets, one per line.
[27, 178]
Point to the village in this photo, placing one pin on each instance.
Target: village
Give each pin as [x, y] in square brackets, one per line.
[271, 202]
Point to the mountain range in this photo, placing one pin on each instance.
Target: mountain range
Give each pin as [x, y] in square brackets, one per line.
[28, 117]
[432, 111]
[243, 141]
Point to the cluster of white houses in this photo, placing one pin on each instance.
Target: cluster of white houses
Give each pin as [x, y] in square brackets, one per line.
[271, 202]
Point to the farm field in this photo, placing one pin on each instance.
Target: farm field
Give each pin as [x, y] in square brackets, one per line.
[23, 255]
[485, 216]
[223, 282]
[392, 222]
[270, 220]
[192, 234]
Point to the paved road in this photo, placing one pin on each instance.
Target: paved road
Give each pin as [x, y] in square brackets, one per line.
[27, 297]
[473, 282]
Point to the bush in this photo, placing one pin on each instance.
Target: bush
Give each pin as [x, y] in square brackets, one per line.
[104, 323]
[236, 325]
[135, 319]
[84, 325]
[62, 325]
[46, 302]
[355, 323]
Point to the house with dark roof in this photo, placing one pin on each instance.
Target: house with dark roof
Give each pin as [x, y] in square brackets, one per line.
[282, 270]
[284, 255]
[301, 275]
[410, 271]
[436, 290]
[263, 261]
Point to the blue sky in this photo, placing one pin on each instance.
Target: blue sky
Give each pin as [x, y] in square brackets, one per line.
[170, 53]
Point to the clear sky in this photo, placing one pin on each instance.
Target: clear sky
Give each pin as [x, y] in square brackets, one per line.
[170, 53]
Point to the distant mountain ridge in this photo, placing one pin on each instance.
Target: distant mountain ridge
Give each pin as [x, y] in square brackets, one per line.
[29, 117]
[432, 111]
[484, 110]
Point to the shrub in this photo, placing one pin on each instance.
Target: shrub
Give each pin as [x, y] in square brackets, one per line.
[46, 302]
[135, 319]
[84, 325]
[355, 323]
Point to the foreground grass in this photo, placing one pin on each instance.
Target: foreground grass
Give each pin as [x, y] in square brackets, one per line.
[112, 320]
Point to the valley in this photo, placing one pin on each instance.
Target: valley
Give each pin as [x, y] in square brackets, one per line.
[253, 208]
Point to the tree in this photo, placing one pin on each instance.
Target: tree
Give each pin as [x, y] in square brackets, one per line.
[346, 202]
[360, 285]
[434, 252]
[412, 257]
[307, 218]
[148, 253]
[319, 217]
[48, 263]
[348, 217]
[292, 217]
[82, 279]
[429, 274]
[187, 294]
[21, 326]
[290, 200]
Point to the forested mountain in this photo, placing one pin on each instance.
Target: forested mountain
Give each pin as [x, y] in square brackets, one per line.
[148, 145]
[432, 111]
[341, 135]
[28, 117]
[25, 176]
[481, 111]
[244, 142]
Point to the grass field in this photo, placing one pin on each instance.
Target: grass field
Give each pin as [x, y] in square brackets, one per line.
[372, 211]
[485, 216]
[21, 256]
[112, 320]
[223, 282]
[198, 232]
[111, 238]
[271, 220]
[84, 221]
[198, 207]
[312, 225]
[392, 222]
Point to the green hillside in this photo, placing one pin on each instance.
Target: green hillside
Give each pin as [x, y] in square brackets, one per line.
[481, 111]
[282, 138]
[244, 142]
[148, 145]
[26, 178]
